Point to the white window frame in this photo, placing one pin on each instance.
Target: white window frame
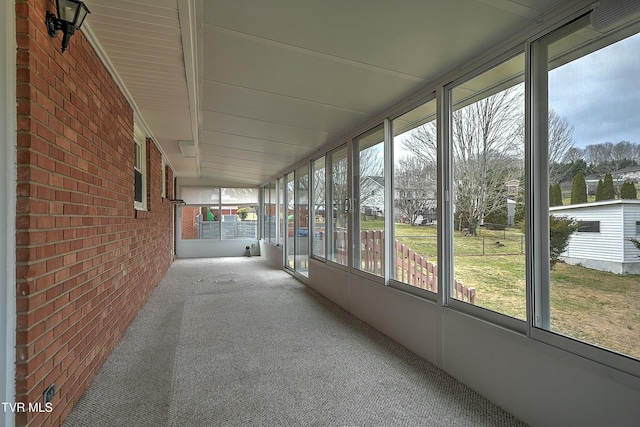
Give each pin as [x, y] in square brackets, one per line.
[537, 197]
[140, 164]
[446, 199]
[164, 178]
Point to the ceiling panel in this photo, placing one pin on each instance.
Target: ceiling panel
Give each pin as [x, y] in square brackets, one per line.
[273, 82]
[270, 131]
[252, 146]
[303, 75]
[227, 98]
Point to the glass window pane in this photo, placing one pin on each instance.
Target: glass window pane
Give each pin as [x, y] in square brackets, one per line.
[239, 195]
[487, 137]
[266, 215]
[272, 212]
[200, 222]
[338, 245]
[282, 214]
[290, 221]
[415, 198]
[239, 222]
[369, 216]
[593, 127]
[213, 220]
[200, 195]
[190, 222]
[302, 220]
[319, 191]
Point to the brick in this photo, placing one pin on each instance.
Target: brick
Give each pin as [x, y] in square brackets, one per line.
[76, 229]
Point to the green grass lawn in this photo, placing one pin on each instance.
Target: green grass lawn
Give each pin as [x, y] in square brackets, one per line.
[590, 305]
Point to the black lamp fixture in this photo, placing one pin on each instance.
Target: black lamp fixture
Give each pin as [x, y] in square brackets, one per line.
[71, 14]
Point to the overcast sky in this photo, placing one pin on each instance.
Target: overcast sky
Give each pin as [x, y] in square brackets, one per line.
[600, 94]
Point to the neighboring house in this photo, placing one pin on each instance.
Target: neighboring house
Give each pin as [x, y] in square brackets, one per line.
[602, 242]
[372, 196]
[631, 173]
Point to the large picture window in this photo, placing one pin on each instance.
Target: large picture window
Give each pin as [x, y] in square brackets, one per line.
[369, 209]
[487, 156]
[319, 208]
[269, 220]
[282, 213]
[415, 198]
[339, 202]
[590, 130]
[290, 220]
[302, 220]
[219, 213]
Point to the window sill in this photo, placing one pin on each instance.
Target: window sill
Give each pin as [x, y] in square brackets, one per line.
[142, 214]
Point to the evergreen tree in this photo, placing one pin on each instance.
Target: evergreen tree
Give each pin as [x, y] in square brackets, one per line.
[628, 191]
[599, 190]
[608, 192]
[555, 195]
[579, 189]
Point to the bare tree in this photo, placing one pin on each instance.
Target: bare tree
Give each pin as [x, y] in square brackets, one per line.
[622, 152]
[636, 153]
[414, 187]
[487, 152]
[319, 183]
[574, 154]
[597, 154]
[561, 146]
[338, 189]
[422, 143]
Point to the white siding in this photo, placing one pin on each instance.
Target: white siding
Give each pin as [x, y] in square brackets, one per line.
[631, 215]
[606, 245]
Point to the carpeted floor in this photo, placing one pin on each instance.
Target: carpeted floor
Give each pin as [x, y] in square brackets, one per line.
[235, 341]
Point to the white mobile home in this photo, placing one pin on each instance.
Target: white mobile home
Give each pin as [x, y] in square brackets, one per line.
[602, 241]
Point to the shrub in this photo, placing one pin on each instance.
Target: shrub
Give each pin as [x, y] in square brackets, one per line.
[242, 213]
[636, 242]
[560, 229]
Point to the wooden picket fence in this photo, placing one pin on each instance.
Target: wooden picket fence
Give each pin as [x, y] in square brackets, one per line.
[413, 268]
[416, 270]
[372, 255]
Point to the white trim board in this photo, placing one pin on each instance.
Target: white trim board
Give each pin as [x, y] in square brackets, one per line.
[7, 206]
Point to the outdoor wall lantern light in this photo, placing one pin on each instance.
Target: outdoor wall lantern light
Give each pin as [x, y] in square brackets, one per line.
[71, 14]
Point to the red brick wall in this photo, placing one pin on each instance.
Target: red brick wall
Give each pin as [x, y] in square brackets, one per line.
[189, 227]
[86, 260]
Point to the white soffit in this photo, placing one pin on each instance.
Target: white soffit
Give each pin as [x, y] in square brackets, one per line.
[142, 39]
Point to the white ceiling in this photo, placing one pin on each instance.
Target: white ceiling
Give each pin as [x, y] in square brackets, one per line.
[261, 85]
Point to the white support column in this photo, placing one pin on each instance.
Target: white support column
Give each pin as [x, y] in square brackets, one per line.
[389, 216]
[7, 206]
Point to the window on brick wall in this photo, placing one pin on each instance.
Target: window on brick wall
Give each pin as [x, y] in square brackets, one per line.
[140, 170]
[164, 178]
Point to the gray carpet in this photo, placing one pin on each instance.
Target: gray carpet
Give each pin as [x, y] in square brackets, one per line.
[234, 341]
